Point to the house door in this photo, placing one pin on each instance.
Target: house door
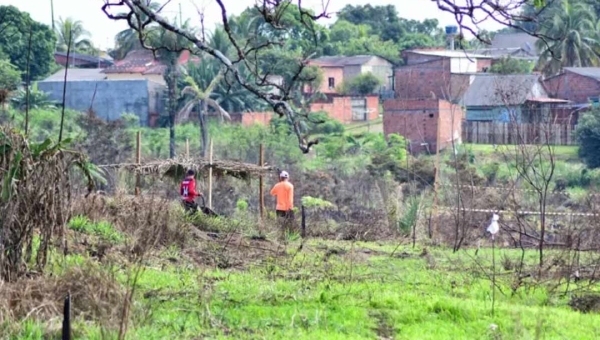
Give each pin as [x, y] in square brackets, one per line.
[359, 109]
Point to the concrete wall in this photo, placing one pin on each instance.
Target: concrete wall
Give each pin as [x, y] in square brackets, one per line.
[337, 73]
[417, 120]
[573, 87]
[463, 65]
[351, 72]
[113, 97]
[383, 73]
[157, 78]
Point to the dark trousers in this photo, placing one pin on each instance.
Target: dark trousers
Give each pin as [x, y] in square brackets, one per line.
[286, 219]
[190, 207]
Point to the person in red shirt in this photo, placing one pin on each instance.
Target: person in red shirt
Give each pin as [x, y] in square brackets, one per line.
[188, 193]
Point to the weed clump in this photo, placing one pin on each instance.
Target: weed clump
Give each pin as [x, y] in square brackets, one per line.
[103, 229]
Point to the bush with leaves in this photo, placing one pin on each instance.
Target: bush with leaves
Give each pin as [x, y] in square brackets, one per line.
[10, 78]
[588, 138]
[508, 65]
[37, 99]
[363, 84]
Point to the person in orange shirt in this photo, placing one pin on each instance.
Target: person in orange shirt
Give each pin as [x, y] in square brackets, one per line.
[284, 191]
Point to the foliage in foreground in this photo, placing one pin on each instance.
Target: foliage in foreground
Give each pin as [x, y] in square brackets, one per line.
[588, 137]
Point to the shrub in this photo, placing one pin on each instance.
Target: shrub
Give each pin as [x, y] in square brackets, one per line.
[104, 230]
[363, 84]
[315, 202]
[588, 138]
[241, 205]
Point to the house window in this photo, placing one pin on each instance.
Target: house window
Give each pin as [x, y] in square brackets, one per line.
[595, 101]
[331, 82]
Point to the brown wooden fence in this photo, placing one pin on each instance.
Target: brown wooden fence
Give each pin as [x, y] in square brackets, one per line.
[517, 133]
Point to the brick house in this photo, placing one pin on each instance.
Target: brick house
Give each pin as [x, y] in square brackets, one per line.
[337, 69]
[502, 98]
[142, 64]
[345, 109]
[81, 60]
[427, 91]
[580, 85]
[418, 121]
[348, 109]
[437, 74]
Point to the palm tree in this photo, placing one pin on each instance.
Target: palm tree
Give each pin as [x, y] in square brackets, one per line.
[169, 47]
[128, 39]
[196, 96]
[572, 30]
[69, 30]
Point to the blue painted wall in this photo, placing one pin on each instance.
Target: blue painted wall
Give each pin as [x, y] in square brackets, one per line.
[113, 97]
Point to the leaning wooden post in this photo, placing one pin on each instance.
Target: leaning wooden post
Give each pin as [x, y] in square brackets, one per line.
[138, 160]
[210, 172]
[261, 190]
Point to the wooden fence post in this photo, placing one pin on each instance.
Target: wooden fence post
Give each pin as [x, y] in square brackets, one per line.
[261, 189]
[437, 178]
[138, 160]
[66, 325]
[210, 173]
[303, 225]
[187, 148]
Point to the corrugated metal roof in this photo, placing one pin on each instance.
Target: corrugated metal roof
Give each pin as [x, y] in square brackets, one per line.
[137, 61]
[450, 54]
[76, 74]
[515, 40]
[84, 57]
[341, 61]
[500, 90]
[591, 72]
[547, 100]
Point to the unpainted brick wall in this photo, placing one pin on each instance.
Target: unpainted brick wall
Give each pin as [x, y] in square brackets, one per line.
[340, 108]
[251, 118]
[573, 87]
[417, 120]
[427, 80]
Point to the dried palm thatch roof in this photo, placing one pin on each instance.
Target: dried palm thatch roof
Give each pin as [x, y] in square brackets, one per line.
[177, 167]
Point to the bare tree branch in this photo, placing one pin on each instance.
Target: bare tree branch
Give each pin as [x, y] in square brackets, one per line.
[272, 12]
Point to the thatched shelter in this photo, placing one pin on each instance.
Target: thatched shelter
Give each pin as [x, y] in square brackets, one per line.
[176, 168]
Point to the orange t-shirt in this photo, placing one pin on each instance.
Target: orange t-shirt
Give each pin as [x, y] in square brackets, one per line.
[285, 195]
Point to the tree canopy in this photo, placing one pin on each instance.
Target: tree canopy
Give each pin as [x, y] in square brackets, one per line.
[15, 29]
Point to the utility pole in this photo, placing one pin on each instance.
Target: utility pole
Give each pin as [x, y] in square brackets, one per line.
[180, 17]
[52, 12]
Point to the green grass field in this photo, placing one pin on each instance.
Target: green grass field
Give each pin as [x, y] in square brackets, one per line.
[375, 126]
[339, 290]
[562, 152]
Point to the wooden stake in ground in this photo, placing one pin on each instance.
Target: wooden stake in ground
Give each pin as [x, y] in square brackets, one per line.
[138, 160]
[210, 172]
[261, 185]
[187, 148]
[437, 176]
